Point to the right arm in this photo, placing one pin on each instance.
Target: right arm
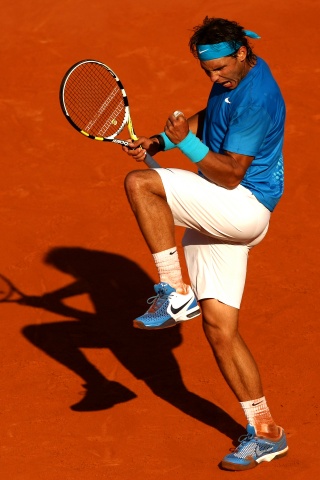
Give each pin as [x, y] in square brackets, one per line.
[195, 124]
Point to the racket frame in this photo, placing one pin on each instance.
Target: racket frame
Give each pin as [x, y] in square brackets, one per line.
[127, 117]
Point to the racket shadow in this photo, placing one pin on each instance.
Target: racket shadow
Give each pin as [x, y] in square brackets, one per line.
[118, 289]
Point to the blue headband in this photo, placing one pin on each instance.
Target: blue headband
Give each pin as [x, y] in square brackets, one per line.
[223, 49]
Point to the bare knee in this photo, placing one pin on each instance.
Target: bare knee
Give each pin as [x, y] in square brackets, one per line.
[140, 182]
[134, 181]
[220, 323]
[219, 336]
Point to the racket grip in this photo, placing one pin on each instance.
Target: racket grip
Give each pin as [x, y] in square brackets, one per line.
[151, 162]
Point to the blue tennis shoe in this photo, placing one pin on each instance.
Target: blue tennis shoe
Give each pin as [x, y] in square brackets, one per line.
[254, 450]
[168, 308]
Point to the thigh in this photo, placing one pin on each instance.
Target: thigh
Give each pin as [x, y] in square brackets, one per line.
[229, 215]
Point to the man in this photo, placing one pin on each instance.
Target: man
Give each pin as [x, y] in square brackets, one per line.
[236, 142]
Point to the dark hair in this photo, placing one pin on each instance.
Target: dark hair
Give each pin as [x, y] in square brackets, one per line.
[216, 30]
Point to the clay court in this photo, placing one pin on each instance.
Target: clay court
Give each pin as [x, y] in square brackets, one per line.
[85, 396]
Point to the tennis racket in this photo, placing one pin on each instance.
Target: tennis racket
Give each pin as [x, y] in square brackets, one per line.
[95, 103]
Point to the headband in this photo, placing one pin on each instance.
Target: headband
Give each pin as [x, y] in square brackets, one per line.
[223, 49]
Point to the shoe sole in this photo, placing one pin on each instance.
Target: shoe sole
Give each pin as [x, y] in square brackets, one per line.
[168, 324]
[254, 463]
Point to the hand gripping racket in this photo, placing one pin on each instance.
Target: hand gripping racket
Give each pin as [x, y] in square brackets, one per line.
[95, 103]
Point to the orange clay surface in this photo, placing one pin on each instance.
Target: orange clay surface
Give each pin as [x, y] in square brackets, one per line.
[83, 395]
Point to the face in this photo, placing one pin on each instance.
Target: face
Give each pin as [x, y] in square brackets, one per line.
[227, 71]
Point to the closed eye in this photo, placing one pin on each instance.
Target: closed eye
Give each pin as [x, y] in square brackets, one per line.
[214, 70]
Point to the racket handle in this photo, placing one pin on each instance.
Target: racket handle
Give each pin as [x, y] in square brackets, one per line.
[151, 162]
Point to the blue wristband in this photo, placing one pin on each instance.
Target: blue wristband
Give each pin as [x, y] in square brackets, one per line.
[193, 148]
[168, 145]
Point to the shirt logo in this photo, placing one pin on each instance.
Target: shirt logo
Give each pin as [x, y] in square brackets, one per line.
[227, 100]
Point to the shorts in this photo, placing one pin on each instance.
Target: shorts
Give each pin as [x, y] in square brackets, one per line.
[221, 227]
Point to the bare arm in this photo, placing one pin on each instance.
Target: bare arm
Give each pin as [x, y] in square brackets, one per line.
[152, 144]
[227, 170]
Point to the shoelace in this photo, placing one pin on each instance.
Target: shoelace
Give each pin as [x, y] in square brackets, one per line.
[244, 439]
[161, 296]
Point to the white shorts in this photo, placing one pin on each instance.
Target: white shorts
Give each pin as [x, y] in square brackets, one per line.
[222, 225]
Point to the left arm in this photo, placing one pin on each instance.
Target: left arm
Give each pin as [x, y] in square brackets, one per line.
[226, 170]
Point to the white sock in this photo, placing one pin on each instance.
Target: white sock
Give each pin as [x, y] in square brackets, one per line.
[168, 265]
[258, 414]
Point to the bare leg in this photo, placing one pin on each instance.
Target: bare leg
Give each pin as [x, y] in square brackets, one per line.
[220, 323]
[237, 365]
[147, 198]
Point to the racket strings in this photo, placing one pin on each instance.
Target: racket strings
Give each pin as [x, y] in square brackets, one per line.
[94, 100]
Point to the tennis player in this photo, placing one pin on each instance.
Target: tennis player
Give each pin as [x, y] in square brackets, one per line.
[236, 142]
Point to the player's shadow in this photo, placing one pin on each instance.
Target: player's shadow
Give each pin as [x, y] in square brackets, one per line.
[118, 289]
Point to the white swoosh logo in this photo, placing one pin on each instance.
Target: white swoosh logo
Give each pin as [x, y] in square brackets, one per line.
[227, 100]
[202, 51]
